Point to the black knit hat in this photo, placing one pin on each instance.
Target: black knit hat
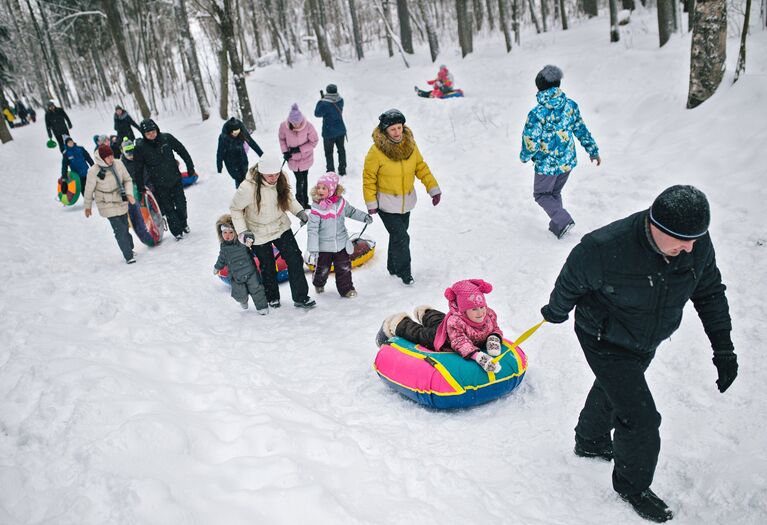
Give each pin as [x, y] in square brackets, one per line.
[332, 88]
[548, 77]
[682, 212]
[148, 125]
[389, 118]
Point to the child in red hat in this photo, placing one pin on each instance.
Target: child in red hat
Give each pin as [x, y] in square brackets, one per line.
[470, 328]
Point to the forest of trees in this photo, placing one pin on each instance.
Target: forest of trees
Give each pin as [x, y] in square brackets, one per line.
[142, 51]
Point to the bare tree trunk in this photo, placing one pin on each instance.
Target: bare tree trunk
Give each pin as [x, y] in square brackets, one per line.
[190, 53]
[226, 19]
[490, 19]
[533, 17]
[387, 20]
[515, 14]
[591, 8]
[465, 37]
[544, 15]
[254, 27]
[708, 50]
[35, 65]
[319, 32]
[223, 84]
[431, 32]
[477, 13]
[115, 27]
[504, 24]
[356, 31]
[5, 132]
[665, 20]
[563, 14]
[615, 34]
[405, 32]
[390, 33]
[99, 67]
[741, 67]
[63, 89]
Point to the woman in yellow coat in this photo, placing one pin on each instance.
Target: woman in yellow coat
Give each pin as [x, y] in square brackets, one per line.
[391, 166]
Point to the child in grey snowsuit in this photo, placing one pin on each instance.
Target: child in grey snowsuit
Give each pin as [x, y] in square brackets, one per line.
[328, 240]
[242, 269]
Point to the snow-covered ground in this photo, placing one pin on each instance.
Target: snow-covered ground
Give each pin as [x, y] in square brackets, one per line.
[143, 394]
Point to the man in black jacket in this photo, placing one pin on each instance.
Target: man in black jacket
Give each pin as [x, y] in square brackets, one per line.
[155, 164]
[628, 282]
[57, 123]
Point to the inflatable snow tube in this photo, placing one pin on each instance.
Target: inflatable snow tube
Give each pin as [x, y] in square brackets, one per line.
[146, 219]
[445, 380]
[364, 249]
[69, 188]
[186, 180]
[51, 144]
[279, 262]
[453, 94]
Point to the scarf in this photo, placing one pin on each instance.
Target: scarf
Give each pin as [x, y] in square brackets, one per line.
[328, 202]
[441, 338]
[332, 97]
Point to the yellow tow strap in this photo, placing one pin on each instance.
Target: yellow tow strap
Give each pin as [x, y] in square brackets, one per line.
[521, 339]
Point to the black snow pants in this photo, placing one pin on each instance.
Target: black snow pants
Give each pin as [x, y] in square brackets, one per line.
[338, 142]
[621, 400]
[302, 188]
[124, 238]
[172, 203]
[291, 253]
[422, 334]
[398, 258]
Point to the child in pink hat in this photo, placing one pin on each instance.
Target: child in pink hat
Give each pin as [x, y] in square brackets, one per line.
[327, 239]
[470, 328]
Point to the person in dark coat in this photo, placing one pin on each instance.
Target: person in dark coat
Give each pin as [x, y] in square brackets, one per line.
[57, 123]
[21, 110]
[330, 108]
[77, 159]
[124, 124]
[629, 282]
[128, 148]
[156, 164]
[231, 150]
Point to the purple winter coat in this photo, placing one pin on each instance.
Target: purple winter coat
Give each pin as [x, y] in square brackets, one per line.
[304, 138]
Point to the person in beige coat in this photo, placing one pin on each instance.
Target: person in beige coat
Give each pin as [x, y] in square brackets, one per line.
[259, 207]
[111, 186]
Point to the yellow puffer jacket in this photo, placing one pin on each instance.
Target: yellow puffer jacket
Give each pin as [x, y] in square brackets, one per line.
[389, 174]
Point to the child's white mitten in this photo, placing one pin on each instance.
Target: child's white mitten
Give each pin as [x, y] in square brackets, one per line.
[486, 362]
[493, 345]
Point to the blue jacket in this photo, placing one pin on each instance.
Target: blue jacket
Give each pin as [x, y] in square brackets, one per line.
[548, 134]
[331, 113]
[77, 159]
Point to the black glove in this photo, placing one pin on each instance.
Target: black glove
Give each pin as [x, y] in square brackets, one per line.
[322, 93]
[726, 363]
[287, 155]
[295, 149]
[552, 317]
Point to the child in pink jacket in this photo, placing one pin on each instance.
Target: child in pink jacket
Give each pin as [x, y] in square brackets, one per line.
[298, 138]
[470, 328]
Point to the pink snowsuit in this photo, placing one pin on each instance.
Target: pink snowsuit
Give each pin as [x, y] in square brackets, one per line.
[305, 137]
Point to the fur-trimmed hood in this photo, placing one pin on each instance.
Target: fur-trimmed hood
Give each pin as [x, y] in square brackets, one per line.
[224, 219]
[313, 192]
[395, 150]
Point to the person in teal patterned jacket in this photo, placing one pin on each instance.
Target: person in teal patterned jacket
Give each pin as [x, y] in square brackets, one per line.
[548, 140]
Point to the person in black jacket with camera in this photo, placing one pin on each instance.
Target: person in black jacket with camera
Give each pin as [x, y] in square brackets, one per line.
[629, 282]
[231, 150]
[155, 164]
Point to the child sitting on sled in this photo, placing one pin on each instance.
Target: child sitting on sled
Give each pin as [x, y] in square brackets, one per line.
[328, 240]
[238, 257]
[470, 327]
[442, 85]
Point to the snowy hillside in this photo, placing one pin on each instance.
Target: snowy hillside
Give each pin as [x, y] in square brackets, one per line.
[143, 394]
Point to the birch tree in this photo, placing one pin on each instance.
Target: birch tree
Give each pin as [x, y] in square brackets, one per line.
[189, 50]
[708, 51]
[405, 32]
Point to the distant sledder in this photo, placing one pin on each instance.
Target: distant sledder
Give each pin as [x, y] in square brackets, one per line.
[443, 86]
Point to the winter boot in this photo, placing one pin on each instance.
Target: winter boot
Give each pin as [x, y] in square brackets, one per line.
[648, 505]
[307, 303]
[391, 322]
[275, 303]
[567, 228]
[408, 280]
[319, 289]
[601, 448]
[351, 293]
[187, 230]
[244, 304]
[381, 337]
[419, 311]
[262, 311]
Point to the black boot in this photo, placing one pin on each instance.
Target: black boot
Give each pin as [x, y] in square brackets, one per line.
[648, 505]
[381, 337]
[601, 448]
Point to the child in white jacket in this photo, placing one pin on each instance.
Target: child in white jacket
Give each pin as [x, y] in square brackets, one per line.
[328, 240]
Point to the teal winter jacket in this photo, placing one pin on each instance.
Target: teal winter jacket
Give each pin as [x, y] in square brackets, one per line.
[548, 135]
